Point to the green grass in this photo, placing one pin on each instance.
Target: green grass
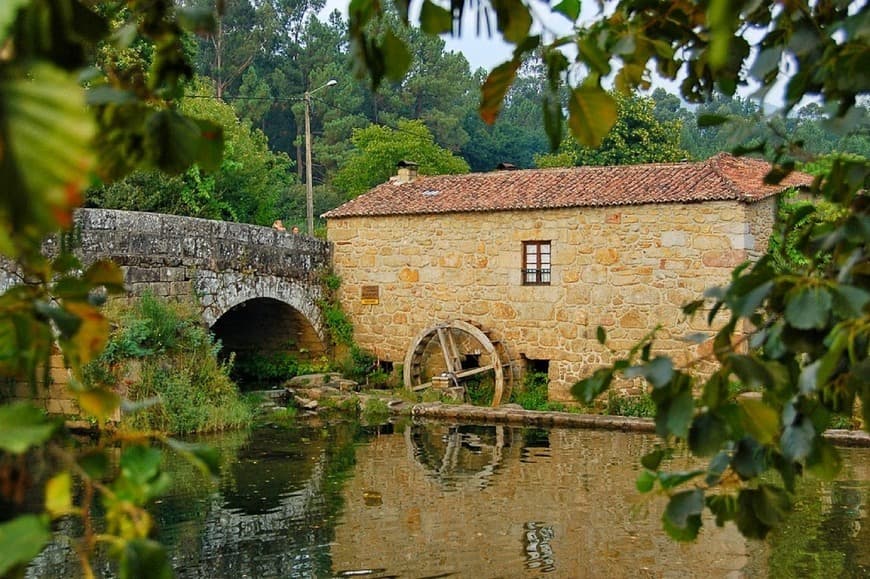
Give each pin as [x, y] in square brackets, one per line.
[161, 352]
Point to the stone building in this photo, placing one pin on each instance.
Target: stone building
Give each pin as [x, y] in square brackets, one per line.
[541, 258]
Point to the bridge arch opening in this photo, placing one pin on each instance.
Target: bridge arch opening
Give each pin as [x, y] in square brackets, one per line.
[269, 340]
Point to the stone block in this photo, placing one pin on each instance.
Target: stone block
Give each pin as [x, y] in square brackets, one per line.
[727, 258]
[674, 239]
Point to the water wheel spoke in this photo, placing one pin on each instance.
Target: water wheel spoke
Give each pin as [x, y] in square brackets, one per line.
[473, 371]
[458, 342]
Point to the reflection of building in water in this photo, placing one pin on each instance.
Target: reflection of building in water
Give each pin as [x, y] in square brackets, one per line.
[539, 552]
[461, 454]
[523, 502]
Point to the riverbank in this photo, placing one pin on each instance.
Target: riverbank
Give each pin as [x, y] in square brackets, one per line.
[315, 393]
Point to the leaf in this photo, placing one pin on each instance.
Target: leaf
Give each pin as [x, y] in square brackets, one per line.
[23, 426]
[748, 460]
[399, 57]
[849, 301]
[710, 120]
[66, 322]
[679, 412]
[659, 371]
[8, 13]
[144, 558]
[717, 467]
[105, 272]
[824, 461]
[588, 389]
[49, 131]
[645, 482]
[58, 495]
[797, 439]
[568, 8]
[601, 335]
[724, 507]
[196, 19]
[495, 88]
[682, 516]
[95, 464]
[593, 55]
[770, 504]
[751, 371]
[172, 141]
[21, 539]
[140, 464]
[707, 434]
[206, 458]
[514, 19]
[653, 459]
[592, 113]
[671, 480]
[91, 337]
[434, 19]
[808, 307]
[99, 402]
[759, 420]
[210, 145]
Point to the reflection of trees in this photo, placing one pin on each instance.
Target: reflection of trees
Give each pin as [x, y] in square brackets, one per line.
[273, 515]
[827, 535]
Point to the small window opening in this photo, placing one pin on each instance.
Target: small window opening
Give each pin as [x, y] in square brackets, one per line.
[536, 262]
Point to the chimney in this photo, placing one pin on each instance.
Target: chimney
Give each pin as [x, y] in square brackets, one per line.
[407, 172]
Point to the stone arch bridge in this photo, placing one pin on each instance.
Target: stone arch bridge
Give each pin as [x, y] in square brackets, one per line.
[257, 287]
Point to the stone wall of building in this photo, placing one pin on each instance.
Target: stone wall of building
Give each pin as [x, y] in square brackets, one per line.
[626, 269]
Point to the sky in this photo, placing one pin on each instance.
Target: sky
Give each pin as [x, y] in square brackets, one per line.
[483, 51]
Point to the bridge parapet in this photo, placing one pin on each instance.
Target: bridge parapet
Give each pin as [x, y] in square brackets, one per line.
[148, 240]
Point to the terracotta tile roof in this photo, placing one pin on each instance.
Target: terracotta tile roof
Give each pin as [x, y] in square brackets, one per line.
[722, 177]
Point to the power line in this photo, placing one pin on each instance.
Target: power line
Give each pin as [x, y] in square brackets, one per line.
[299, 99]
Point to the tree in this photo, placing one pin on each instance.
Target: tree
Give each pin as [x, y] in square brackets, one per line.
[518, 134]
[377, 149]
[637, 137]
[50, 141]
[248, 186]
[803, 336]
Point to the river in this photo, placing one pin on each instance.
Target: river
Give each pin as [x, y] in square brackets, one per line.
[427, 500]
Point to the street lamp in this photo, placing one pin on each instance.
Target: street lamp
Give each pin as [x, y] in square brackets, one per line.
[309, 191]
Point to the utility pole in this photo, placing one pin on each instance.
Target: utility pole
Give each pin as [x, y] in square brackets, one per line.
[309, 190]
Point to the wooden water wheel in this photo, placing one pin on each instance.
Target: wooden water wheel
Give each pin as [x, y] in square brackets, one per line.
[459, 351]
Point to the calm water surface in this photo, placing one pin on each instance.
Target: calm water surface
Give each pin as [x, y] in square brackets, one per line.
[438, 500]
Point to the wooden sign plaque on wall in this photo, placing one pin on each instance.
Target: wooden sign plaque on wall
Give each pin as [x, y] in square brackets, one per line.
[370, 295]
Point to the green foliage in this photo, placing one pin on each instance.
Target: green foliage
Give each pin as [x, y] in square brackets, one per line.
[479, 390]
[167, 360]
[533, 393]
[54, 137]
[641, 406]
[795, 219]
[273, 368]
[375, 411]
[378, 149]
[251, 184]
[636, 137]
[337, 324]
[809, 356]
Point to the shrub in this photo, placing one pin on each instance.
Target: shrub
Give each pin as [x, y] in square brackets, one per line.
[532, 395]
[164, 354]
[375, 411]
[641, 406]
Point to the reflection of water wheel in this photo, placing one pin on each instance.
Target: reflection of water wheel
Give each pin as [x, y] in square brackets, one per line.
[460, 351]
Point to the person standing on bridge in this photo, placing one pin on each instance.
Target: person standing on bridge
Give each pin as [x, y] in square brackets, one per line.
[279, 225]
